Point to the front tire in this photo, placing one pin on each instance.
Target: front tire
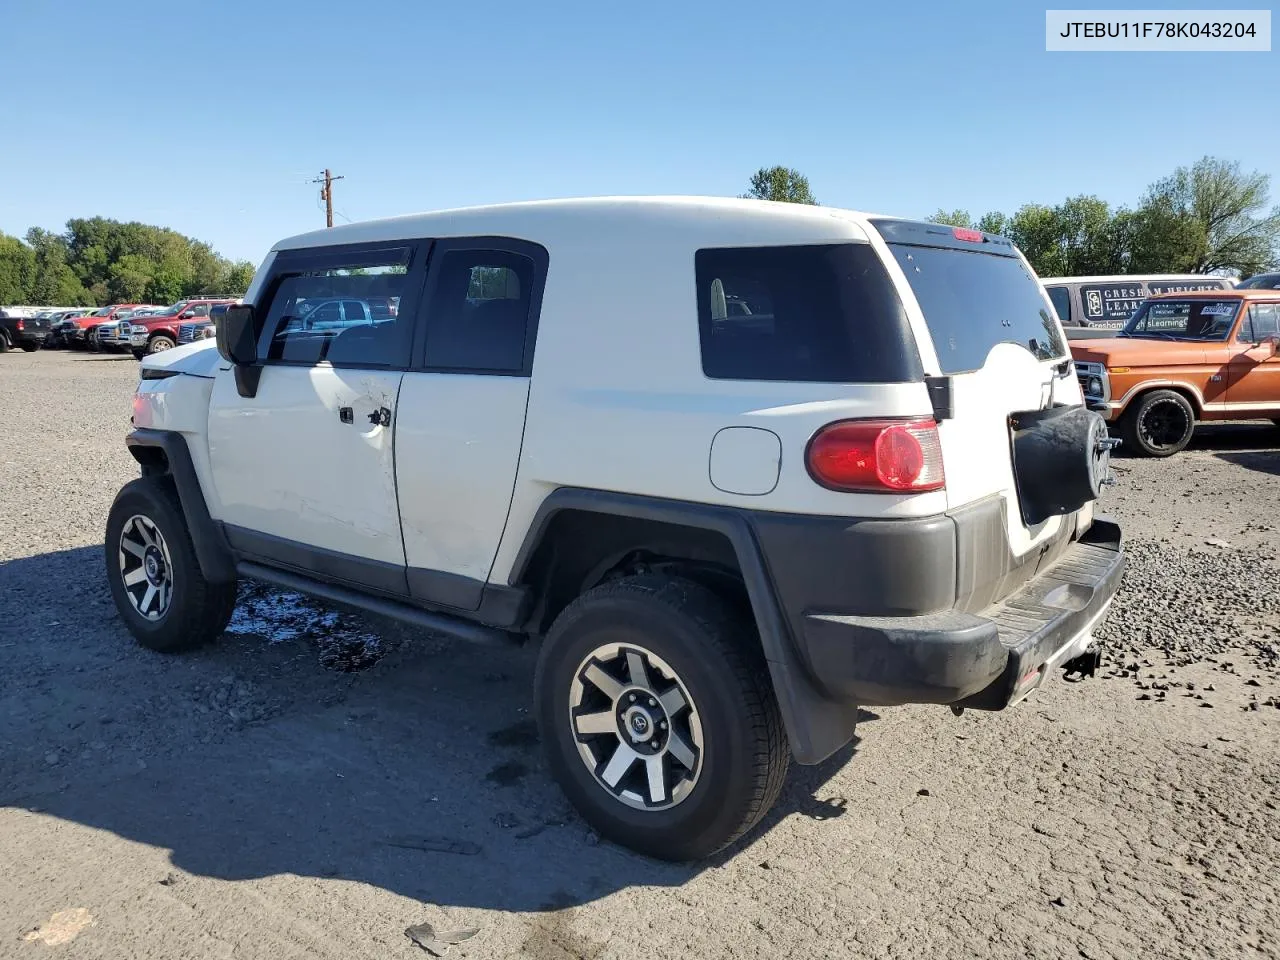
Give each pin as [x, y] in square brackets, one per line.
[154, 576]
[1160, 424]
[30, 347]
[658, 717]
[159, 344]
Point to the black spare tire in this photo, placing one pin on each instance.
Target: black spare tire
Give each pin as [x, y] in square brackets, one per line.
[1061, 459]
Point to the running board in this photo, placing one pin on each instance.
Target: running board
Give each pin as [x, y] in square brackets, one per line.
[451, 626]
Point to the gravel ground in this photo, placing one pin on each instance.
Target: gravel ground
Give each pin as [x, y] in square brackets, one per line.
[308, 787]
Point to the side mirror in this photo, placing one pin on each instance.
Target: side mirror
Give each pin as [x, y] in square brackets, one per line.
[237, 341]
[1272, 345]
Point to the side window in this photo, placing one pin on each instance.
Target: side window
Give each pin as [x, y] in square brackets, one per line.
[322, 311]
[478, 311]
[1061, 299]
[818, 314]
[1263, 321]
[201, 310]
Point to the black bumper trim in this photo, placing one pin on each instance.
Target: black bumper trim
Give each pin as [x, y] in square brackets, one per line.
[983, 660]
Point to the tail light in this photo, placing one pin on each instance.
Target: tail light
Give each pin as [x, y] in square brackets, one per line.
[20, 326]
[968, 234]
[877, 456]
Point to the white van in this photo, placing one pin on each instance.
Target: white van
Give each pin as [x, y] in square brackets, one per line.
[1091, 307]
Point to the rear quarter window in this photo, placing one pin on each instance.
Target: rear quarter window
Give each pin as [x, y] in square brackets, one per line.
[823, 313]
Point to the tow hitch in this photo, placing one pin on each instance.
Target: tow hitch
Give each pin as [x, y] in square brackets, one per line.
[1085, 665]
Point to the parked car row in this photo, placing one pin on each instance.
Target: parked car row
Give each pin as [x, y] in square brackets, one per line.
[122, 327]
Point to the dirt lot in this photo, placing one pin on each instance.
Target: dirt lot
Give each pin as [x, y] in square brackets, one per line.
[266, 798]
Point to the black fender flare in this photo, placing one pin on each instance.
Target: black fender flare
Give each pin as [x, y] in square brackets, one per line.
[217, 562]
[817, 726]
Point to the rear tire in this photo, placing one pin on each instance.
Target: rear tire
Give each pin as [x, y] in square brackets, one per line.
[31, 347]
[708, 754]
[4, 342]
[1159, 424]
[159, 344]
[154, 576]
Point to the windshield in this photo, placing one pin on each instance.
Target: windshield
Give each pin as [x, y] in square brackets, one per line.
[1183, 320]
[1263, 281]
[973, 301]
[176, 307]
[101, 313]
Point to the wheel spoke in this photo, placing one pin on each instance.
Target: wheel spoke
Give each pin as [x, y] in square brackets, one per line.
[147, 538]
[681, 751]
[591, 723]
[147, 598]
[635, 667]
[621, 762]
[610, 687]
[132, 546]
[673, 701]
[135, 578]
[657, 780]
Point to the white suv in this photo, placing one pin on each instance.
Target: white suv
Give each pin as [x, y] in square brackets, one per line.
[738, 467]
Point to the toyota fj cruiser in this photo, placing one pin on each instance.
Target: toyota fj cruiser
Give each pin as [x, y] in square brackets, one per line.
[738, 467]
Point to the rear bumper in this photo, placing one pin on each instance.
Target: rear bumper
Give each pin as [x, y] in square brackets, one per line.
[21, 337]
[986, 659]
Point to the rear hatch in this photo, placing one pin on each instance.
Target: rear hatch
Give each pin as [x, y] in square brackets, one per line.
[1000, 351]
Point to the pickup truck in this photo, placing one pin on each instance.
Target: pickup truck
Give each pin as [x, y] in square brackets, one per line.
[75, 331]
[1181, 359]
[152, 334]
[29, 333]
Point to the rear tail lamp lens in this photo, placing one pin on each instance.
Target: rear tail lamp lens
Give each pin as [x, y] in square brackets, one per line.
[20, 325]
[877, 456]
[965, 233]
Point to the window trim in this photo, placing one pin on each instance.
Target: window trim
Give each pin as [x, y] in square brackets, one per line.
[1247, 318]
[525, 248]
[292, 263]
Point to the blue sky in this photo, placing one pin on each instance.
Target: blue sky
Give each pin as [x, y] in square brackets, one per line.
[210, 117]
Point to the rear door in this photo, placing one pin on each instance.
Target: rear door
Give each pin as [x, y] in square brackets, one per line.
[305, 469]
[458, 448]
[1001, 346]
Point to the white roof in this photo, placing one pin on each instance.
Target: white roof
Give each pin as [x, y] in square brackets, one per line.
[1133, 278]
[539, 219]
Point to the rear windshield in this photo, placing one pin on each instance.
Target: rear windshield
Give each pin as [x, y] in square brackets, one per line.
[818, 313]
[1183, 320]
[973, 301]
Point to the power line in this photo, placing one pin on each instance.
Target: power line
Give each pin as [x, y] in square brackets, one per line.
[326, 194]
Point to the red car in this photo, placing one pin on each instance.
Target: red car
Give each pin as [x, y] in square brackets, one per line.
[151, 334]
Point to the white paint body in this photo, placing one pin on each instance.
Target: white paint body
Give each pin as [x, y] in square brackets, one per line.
[617, 401]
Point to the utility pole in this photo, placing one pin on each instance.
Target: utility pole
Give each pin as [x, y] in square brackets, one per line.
[326, 194]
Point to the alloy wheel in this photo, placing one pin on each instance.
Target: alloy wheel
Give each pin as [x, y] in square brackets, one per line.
[145, 567]
[636, 727]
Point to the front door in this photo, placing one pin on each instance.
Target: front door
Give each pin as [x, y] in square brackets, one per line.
[304, 471]
[1253, 374]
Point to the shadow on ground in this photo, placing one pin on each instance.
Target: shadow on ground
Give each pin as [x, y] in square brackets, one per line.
[421, 774]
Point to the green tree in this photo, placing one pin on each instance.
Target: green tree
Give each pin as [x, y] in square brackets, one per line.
[781, 184]
[237, 279]
[17, 270]
[953, 218]
[54, 281]
[130, 277]
[1210, 216]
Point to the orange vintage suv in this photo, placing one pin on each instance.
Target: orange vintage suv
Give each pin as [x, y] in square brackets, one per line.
[1184, 357]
